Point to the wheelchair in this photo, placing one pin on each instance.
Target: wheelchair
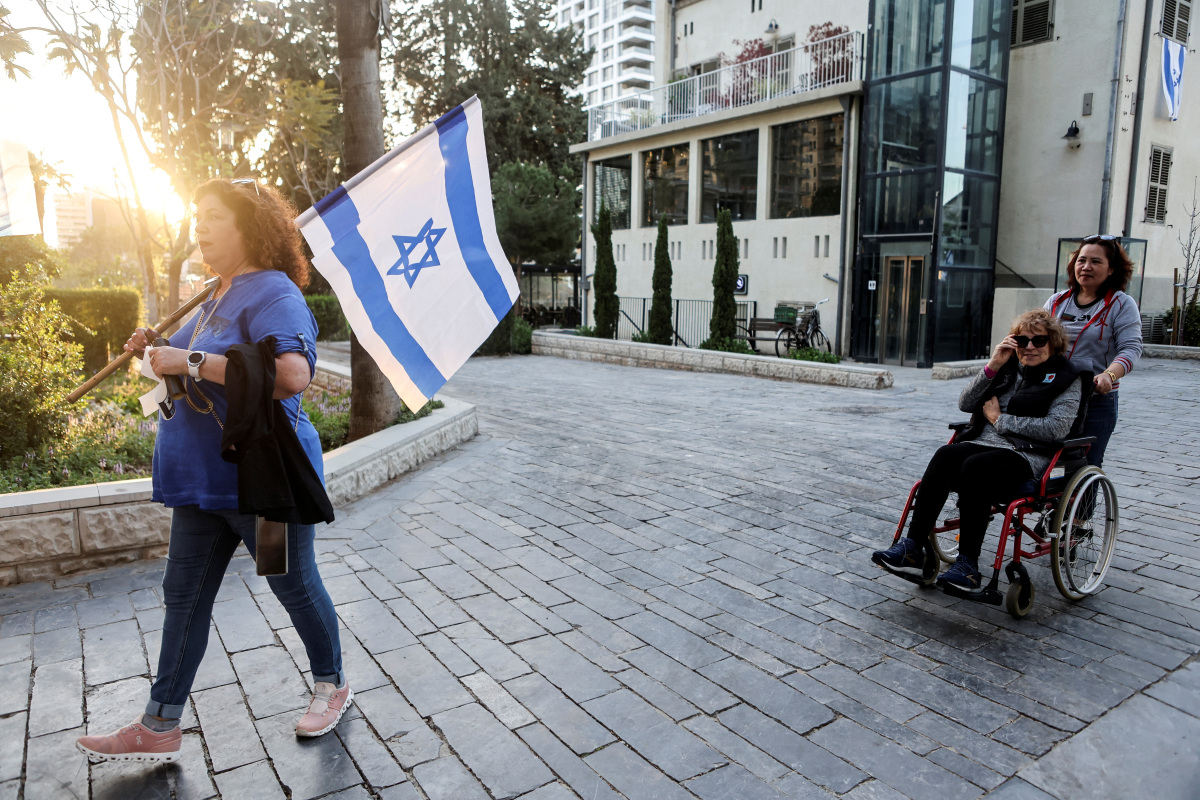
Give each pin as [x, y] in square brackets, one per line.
[1073, 508]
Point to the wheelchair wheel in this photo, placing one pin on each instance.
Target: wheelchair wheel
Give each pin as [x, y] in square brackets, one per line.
[945, 544]
[785, 342]
[1019, 597]
[1086, 522]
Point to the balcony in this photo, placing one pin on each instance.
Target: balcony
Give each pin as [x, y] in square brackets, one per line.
[807, 68]
[635, 56]
[635, 77]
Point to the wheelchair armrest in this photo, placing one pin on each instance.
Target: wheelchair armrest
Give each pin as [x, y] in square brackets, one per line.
[1080, 442]
[959, 427]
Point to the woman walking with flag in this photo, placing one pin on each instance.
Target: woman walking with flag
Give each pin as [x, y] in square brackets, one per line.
[247, 237]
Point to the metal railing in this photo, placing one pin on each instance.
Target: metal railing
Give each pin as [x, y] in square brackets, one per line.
[689, 318]
[811, 66]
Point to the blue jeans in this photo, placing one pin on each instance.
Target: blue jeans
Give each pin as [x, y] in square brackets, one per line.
[1101, 422]
[202, 542]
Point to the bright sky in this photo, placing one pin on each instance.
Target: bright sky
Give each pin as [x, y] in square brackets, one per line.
[67, 124]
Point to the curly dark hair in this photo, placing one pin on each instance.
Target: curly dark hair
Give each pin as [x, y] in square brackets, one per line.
[1118, 259]
[265, 219]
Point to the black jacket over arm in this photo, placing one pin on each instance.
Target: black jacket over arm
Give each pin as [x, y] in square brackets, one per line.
[274, 476]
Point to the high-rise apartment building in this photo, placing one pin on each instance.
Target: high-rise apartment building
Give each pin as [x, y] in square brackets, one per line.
[621, 34]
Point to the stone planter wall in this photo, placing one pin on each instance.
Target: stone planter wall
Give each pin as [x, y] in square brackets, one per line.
[1170, 351]
[636, 354]
[53, 532]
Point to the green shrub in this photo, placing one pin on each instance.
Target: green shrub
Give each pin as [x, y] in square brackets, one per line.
[103, 320]
[644, 337]
[723, 324]
[122, 390]
[731, 345]
[813, 354]
[329, 412]
[522, 337]
[660, 330]
[499, 341]
[608, 305]
[39, 366]
[585, 330]
[331, 322]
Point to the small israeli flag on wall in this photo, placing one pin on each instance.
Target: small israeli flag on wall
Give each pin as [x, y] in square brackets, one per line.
[1172, 75]
[409, 246]
[18, 202]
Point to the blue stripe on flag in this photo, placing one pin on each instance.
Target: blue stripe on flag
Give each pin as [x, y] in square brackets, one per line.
[340, 215]
[460, 195]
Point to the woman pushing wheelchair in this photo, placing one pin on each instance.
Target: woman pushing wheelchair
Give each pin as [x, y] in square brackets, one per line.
[1021, 407]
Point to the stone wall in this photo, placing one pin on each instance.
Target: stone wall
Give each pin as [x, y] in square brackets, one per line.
[636, 354]
[54, 532]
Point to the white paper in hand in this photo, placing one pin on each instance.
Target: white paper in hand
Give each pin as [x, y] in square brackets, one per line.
[152, 398]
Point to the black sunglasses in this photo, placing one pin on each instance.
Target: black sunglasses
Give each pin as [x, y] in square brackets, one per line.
[1038, 341]
[237, 181]
[1099, 237]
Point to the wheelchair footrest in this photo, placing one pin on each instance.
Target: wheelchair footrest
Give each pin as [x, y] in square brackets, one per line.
[988, 594]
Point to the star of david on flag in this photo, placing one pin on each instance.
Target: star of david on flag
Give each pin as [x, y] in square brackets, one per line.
[409, 246]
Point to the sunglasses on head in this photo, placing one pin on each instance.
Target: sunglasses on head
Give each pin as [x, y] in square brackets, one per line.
[1099, 237]
[242, 181]
[1038, 341]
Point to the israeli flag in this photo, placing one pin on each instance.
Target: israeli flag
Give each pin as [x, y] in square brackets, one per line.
[18, 202]
[409, 246]
[1173, 54]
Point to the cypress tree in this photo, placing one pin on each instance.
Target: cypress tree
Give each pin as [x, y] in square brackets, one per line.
[660, 330]
[608, 308]
[723, 326]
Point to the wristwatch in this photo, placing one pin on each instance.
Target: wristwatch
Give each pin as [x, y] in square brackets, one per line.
[1112, 375]
[194, 360]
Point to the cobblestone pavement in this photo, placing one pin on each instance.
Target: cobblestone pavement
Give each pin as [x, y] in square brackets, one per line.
[655, 585]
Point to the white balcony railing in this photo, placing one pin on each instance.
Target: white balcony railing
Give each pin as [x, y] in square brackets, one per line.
[806, 68]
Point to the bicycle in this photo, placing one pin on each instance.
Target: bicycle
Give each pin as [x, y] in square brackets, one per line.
[800, 328]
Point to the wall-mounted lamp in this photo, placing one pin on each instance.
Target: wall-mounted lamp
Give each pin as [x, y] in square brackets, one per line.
[773, 27]
[1072, 136]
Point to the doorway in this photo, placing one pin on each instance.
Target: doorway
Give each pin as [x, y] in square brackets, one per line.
[902, 312]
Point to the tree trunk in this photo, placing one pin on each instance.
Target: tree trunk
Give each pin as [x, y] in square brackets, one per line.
[374, 404]
[179, 254]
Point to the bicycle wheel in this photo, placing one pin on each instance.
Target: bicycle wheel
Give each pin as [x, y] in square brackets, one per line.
[820, 341]
[785, 342]
[1086, 520]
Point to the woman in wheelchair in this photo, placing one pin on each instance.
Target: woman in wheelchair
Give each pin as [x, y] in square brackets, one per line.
[1020, 406]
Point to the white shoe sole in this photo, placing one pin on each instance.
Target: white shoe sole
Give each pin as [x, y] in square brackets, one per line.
[332, 725]
[97, 758]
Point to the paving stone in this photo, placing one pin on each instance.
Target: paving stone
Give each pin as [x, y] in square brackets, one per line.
[425, 683]
[57, 702]
[231, 738]
[539, 563]
[1028, 736]
[346, 589]
[387, 711]
[16, 648]
[309, 767]
[498, 700]
[401, 791]
[495, 756]
[680, 644]
[450, 655]
[553, 791]
[633, 776]
[693, 687]
[270, 681]
[447, 779]
[412, 618]
[12, 754]
[737, 749]
[734, 601]
[373, 759]
[54, 769]
[60, 644]
[535, 587]
[191, 781]
[104, 610]
[375, 626]
[15, 680]
[671, 748]
[242, 624]
[597, 628]
[417, 746]
[733, 782]
[251, 782]
[48, 619]
[769, 694]
[964, 767]
[958, 704]
[495, 657]
[604, 602]
[502, 619]
[577, 774]
[568, 721]
[454, 581]
[566, 669]
[813, 763]
[112, 652]
[867, 692]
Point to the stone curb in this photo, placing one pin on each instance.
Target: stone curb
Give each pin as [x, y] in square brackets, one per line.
[1170, 351]
[636, 354]
[949, 370]
[52, 532]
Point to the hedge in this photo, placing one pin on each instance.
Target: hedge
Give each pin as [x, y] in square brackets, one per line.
[331, 323]
[102, 320]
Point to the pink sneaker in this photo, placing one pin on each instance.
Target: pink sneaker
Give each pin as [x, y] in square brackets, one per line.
[134, 742]
[326, 709]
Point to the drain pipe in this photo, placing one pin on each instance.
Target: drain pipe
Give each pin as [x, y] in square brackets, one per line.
[849, 136]
[1131, 191]
[583, 284]
[1118, 53]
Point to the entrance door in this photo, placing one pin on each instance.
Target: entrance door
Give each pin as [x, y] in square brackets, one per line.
[902, 313]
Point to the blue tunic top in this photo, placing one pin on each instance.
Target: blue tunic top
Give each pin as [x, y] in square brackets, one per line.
[188, 468]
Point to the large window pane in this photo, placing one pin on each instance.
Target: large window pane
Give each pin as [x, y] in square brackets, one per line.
[968, 221]
[901, 125]
[978, 36]
[806, 167]
[973, 124]
[907, 35]
[613, 181]
[962, 299]
[665, 185]
[896, 204]
[730, 176]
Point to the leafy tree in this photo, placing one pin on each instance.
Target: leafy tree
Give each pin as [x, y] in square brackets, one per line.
[12, 44]
[44, 173]
[608, 307]
[105, 256]
[725, 271]
[536, 217]
[660, 331]
[27, 258]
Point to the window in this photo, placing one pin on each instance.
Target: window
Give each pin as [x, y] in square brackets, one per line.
[592, 42]
[1033, 21]
[1177, 16]
[806, 168]
[608, 33]
[608, 54]
[1160, 174]
[608, 74]
[665, 185]
[607, 95]
[613, 182]
[729, 176]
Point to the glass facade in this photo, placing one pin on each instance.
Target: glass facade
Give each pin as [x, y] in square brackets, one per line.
[729, 176]
[932, 138]
[612, 179]
[806, 167]
[665, 185]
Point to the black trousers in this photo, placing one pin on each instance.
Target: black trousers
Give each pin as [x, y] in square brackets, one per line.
[981, 475]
